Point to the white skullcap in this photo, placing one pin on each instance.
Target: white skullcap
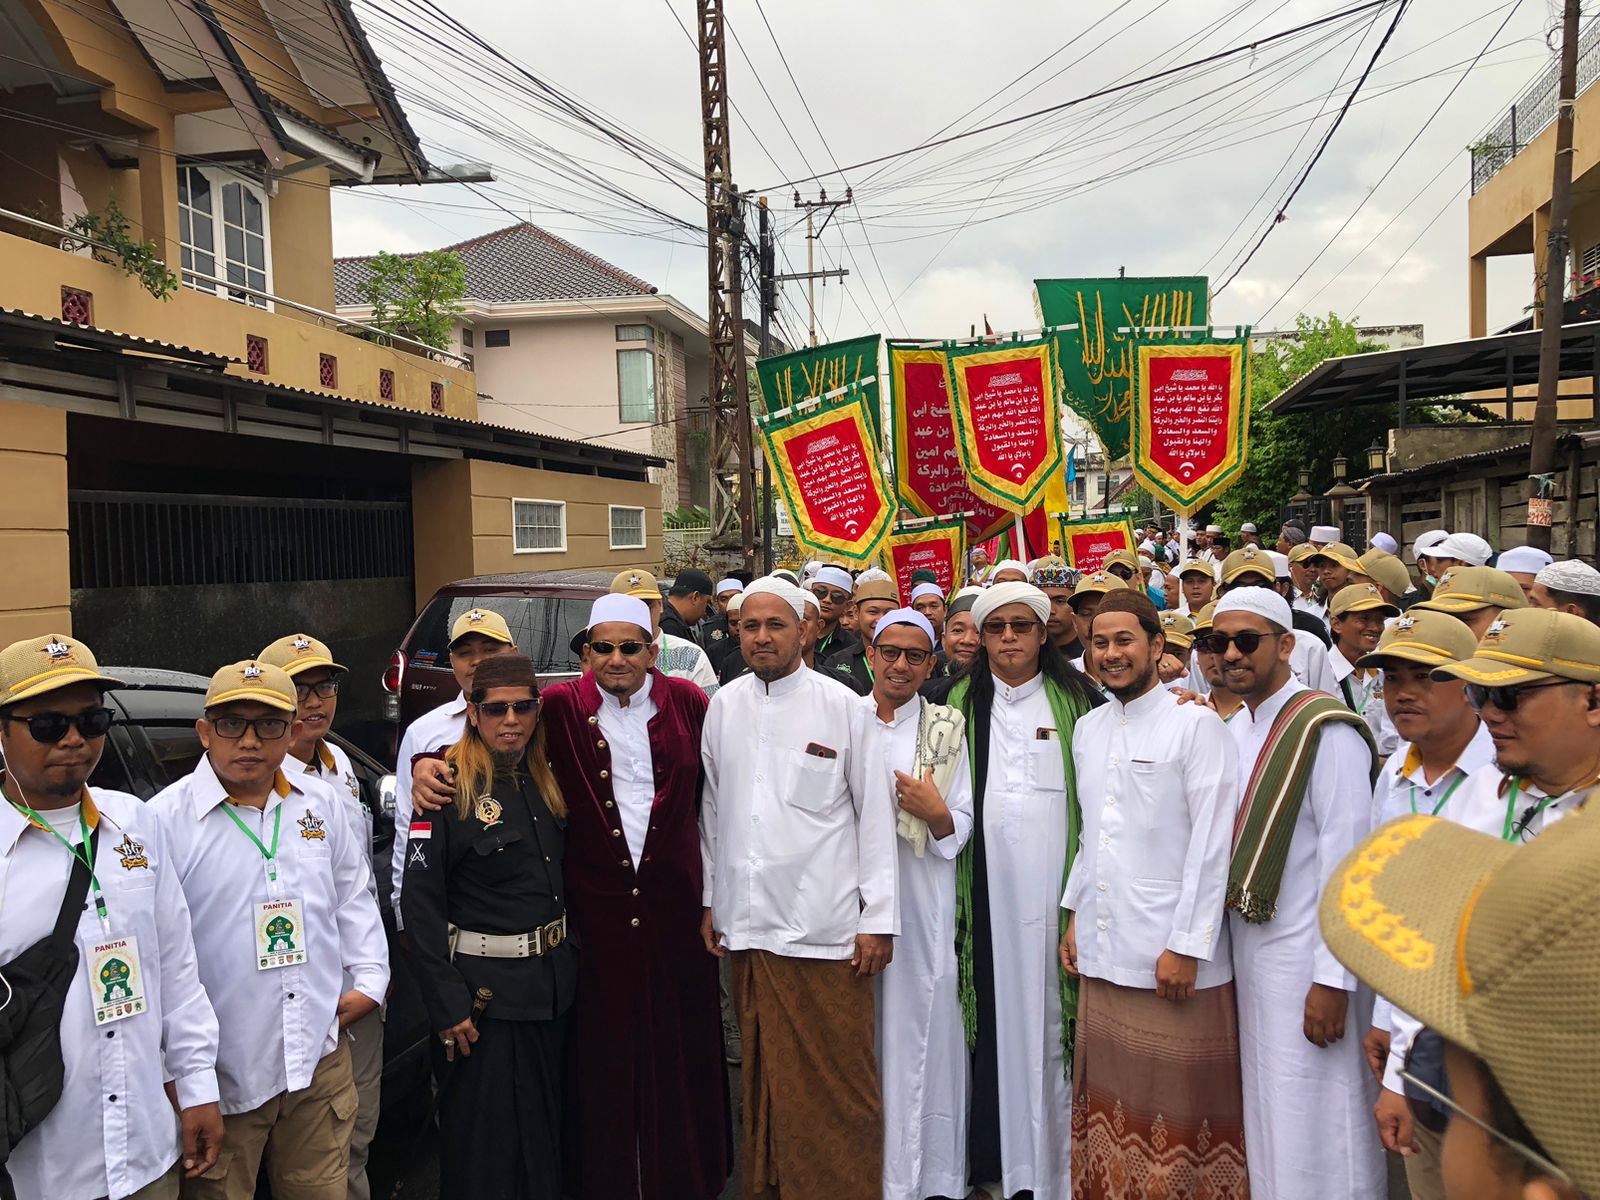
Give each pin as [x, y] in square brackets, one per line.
[1386, 543]
[904, 616]
[1280, 564]
[737, 598]
[813, 565]
[1010, 592]
[925, 589]
[1213, 528]
[1248, 527]
[1570, 576]
[787, 575]
[1008, 564]
[1427, 541]
[1324, 534]
[812, 601]
[1264, 602]
[774, 585]
[834, 577]
[1525, 560]
[872, 573]
[614, 606]
[1468, 547]
[729, 585]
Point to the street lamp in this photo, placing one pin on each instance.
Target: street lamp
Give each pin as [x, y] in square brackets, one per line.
[1299, 503]
[1377, 458]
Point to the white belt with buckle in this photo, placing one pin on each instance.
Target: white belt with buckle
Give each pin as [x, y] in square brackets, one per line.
[533, 944]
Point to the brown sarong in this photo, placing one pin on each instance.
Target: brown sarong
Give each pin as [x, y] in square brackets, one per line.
[1157, 1109]
[813, 1114]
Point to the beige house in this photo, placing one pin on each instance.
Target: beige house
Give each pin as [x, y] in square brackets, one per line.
[564, 343]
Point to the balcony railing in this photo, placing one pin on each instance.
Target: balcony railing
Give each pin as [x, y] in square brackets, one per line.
[1534, 110]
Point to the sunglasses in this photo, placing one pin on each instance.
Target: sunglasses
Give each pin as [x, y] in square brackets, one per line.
[892, 654]
[1526, 1152]
[1217, 643]
[52, 727]
[499, 708]
[832, 595]
[998, 627]
[1507, 698]
[607, 649]
[327, 689]
[268, 729]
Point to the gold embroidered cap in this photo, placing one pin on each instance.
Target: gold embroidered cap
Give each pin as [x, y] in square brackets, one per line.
[1096, 583]
[1431, 639]
[1497, 947]
[299, 652]
[1340, 553]
[1385, 569]
[1193, 566]
[1467, 589]
[1359, 597]
[484, 621]
[45, 664]
[252, 679]
[1177, 629]
[637, 583]
[1249, 560]
[1529, 644]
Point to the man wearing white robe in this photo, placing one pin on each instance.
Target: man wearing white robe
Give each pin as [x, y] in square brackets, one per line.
[922, 1057]
[1308, 1093]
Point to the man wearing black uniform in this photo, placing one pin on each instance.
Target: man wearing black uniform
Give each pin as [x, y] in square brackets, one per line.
[832, 586]
[715, 630]
[687, 602]
[497, 989]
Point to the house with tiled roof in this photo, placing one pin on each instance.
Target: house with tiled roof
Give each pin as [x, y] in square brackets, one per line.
[568, 344]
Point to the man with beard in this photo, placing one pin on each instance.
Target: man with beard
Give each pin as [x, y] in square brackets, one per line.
[1357, 615]
[917, 765]
[799, 874]
[1156, 1108]
[1085, 603]
[1250, 567]
[1306, 801]
[1021, 701]
[486, 917]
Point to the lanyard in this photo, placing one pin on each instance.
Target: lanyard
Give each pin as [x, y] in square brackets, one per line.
[269, 855]
[1511, 808]
[81, 854]
[1367, 699]
[1443, 800]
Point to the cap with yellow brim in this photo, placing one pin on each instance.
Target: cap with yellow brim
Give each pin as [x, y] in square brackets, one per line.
[483, 621]
[1177, 629]
[1467, 589]
[1097, 584]
[1301, 552]
[1247, 560]
[1202, 619]
[1529, 644]
[1339, 553]
[1359, 597]
[1120, 558]
[1193, 566]
[1492, 945]
[252, 679]
[299, 652]
[46, 664]
[1430, 639]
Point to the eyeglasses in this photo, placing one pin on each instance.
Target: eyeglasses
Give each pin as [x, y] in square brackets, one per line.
[52, 727]
[327, 689]
[607, 649]
[997, 627]
[499, 708]
[268, 729]
[1507, 698]
[892, 654]
[1527, 1152]
[1217, 643]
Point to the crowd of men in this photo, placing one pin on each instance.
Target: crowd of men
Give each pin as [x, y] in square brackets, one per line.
[1195, 878]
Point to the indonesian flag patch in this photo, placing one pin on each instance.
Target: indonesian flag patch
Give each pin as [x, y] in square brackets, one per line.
[421, 830]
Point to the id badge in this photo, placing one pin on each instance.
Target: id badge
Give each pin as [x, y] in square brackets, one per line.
[280, 934]
[116, 979]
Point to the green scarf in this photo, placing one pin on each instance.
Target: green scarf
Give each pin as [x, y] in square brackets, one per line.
[1066, 710]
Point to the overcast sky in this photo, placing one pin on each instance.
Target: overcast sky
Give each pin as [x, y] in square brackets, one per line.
[1175, 178]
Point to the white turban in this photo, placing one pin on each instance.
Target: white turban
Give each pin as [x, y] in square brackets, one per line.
[872, 573]
[1012, 592]
[729, 585]
[1386, 543]
[772, 585]
[1008, 564]
[1526, 560]
[1264, 602]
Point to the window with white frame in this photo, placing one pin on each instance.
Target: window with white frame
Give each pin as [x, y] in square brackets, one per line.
[224, 233]
[635, 333]
[538, 526]
[627, 527]
[636, 385]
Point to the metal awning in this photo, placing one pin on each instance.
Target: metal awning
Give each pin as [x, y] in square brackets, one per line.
[1396, 378]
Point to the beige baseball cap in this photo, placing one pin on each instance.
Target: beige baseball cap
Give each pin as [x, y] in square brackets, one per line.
[1359, 597]
[252, 679]
[1097, 584]
[1491, 944]
[299, 652]
[46, 664]
[876, 589]
[1339, 553]
[1177, 629]
[1431, 639]
[1528, 644]
[1201, 621]
[484, 621]
[1120, 558]
[1248, 559]
[1385, 569]
[1467, 589]
[1302, 552]
[1192, 566]
[637, 583]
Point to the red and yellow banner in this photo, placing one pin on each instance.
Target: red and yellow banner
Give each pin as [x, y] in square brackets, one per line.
[1007, 420]
[832, 478]
[1087, 541]
[939, 546]
[929, 475]
[1191, 421]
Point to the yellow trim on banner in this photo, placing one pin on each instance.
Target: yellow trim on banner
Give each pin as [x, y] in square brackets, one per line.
[1015, 496]
[867, 544]
[1187, 497]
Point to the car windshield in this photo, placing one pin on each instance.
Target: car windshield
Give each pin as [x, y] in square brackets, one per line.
[541, 625]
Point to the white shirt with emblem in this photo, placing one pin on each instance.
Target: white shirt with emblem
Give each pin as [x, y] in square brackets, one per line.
[113, 1130]
[276, 1024]
[1365, 698]
[433, 730]
[1158, 785]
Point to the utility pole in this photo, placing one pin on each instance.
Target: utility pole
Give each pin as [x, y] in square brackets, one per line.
[812, 234]
[766, 262]
[732, 504]
[1542, 452]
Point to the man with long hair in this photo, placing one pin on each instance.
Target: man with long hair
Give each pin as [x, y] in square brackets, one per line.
[1021, 700]
[485, 913]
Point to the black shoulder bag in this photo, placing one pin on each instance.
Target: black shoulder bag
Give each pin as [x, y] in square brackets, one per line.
[34, 985]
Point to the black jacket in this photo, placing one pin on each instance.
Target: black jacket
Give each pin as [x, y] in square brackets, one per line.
[672, 623]
[850, 665]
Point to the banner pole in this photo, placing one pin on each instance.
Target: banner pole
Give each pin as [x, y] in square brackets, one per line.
[1183, 536]
[1020, 536]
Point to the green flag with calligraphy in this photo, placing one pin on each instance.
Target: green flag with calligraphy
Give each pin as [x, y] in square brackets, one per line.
[816, 371]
